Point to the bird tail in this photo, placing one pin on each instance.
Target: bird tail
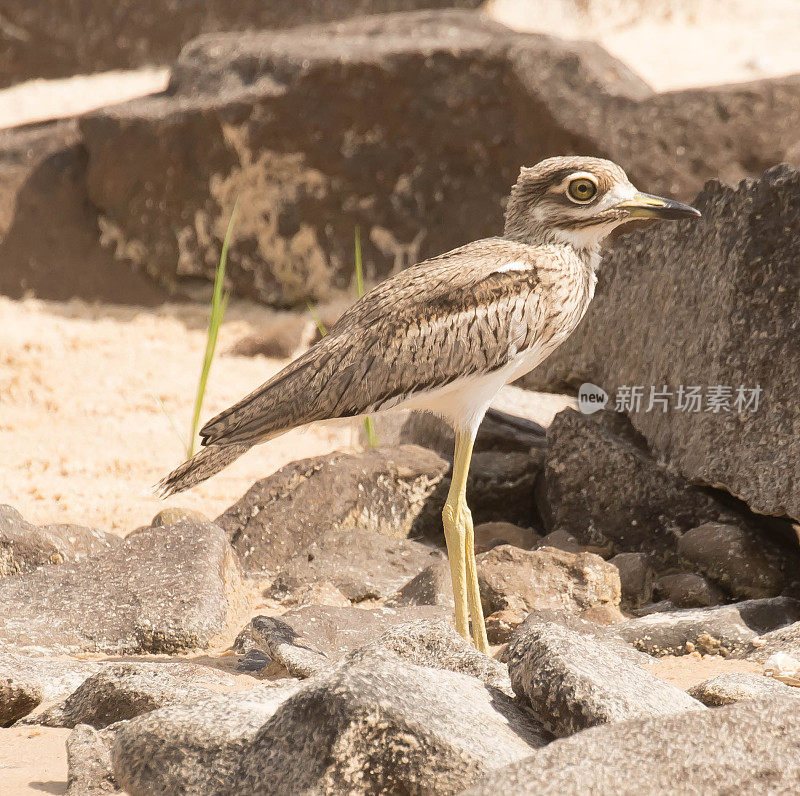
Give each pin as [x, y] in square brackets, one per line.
[207, 462]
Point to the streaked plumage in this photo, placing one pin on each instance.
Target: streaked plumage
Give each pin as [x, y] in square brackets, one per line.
[448, 333]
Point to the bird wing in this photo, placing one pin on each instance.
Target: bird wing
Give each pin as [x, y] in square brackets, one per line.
[466, 312]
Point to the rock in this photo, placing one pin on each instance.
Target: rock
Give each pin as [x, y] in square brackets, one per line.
[25, 547]
[781, 639]
[433, 586]
[194, 747]
[89, 762]
[122, 691]
[396, 492]
[750, 746]
[635, 577]
[435, 643]
[784, 668]
[742, 561]
[164, 590]
[725, 689]
[379, 724]
[404, 79]
[281, 340]
[408, 82]
[17, 699]
[560, 540]
[573, 681]
[44, 208]
[511, 578]
[176, 514]
[687, 590]
[308, 640]
[54, 678]
[490, 534]
[360, 564]
[317, 593]
[63, 40]
[739, 331]
[601, 483]
[717, 631]
[584, 627]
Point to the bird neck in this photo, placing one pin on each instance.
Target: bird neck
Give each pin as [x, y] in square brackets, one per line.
[586, 250]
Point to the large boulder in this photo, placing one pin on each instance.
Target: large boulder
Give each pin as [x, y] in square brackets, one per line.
[380, 724]
[58, 38]
[411, 126]
[750, 747]
[722, 299]
[162, 591]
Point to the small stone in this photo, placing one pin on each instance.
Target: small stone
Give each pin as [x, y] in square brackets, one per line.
[687, 590]
[636, 578]
[725, 689]
[718, 630]
[500, 625]
[490, 534]
[740, 559]
[175, 514]
[573, 681]
[89, 762]
[280, 340]
[783, 667]
[525, 580]
[433, 586]
[560, 540]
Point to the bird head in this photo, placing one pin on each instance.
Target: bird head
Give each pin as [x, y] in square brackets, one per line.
[580, 200]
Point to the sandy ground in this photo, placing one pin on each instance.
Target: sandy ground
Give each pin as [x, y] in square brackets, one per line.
[88, 399]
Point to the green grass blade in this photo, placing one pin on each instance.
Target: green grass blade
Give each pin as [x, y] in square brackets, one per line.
[317, 320]
[369, 425]
[169, 419]
[219, 303]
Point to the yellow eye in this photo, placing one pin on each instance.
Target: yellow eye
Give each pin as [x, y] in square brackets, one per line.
[581, 190]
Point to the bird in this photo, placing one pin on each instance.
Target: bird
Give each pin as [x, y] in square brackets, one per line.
[445, 335]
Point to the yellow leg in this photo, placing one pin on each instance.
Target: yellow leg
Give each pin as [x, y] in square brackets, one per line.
[460, 540]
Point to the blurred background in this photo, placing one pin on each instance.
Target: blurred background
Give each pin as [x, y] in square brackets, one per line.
[130, 130]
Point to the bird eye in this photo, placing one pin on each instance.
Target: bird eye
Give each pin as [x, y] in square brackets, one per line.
[581, 190]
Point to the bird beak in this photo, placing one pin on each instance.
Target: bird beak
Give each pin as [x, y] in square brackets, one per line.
[645, 205]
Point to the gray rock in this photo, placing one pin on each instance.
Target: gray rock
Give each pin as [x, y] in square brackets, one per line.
[635, 577]
[719, 630]
[25, 547]
[164, 590]
[561, 540]
[62, 39]
[89, 762]
[739, 330]
[309, 640]
[601, 483]
[379, 724]
[744, 562]
[576, 624]
[435, 643]
[396, 492]
[193, 748]
[56, 678]
[750, 748]
[781, 639]
[687, 590]
[511, 578]
[725, 689]
[573, 681]
[122, 691]
[433, 586]
[280, 340]
[17, 699]
[360, 564]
